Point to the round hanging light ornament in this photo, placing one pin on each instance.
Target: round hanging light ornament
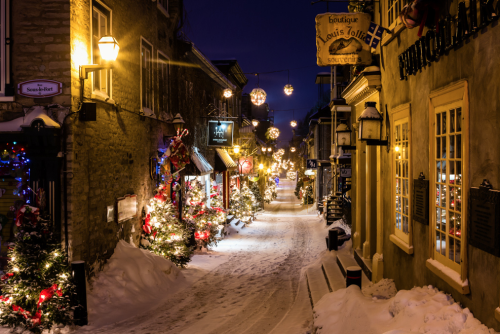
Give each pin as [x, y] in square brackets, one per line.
[258, 96]
[228, 93]
[274, 133]
[255, 122]
[288, 89]
[292, 149]
[293, 123]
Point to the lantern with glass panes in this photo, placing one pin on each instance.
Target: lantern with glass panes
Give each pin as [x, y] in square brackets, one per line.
[343, 135]
[370, 125]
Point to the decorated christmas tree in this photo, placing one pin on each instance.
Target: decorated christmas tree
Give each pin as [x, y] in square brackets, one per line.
[205, 221]
[235, 202]
[307, 196]
[37, 290]
[163, 234]
[254, 187]
[268, 195]
[217, 206]
[247, 207]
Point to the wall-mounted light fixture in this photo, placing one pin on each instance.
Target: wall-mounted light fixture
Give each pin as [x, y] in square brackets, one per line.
[108, 47]
[343, 135]
[255, 122]
[178, 123]
[370, 126]
[236, 149]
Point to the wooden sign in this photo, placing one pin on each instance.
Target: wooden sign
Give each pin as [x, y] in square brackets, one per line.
[421, 200]
[39, 88]
[126, 207]
[340, 39]
[484, 219]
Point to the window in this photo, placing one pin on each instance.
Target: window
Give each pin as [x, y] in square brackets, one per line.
[448, 162]
[163, 6]
[146, 77]
[394, 7]
[401, 179]
[449, 181]
[101, 26]
[163, 83]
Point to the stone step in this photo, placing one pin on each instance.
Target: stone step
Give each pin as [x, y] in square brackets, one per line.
[344, 261]
[316, 281]
[332, 272]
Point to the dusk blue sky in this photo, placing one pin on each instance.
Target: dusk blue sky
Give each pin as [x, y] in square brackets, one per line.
[264, 35]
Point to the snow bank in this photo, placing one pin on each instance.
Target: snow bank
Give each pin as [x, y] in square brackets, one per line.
[421, 310]
[133, 280]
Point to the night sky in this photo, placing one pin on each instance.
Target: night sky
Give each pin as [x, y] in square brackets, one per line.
[264, 36]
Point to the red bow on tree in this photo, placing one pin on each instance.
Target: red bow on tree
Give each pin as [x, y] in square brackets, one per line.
[7, 276]
[202, 235]
[22, 312]
[20, 215]
[46, 294]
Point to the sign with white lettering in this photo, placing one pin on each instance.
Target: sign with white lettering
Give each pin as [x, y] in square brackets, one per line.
[39, 88]
[345, 172]
[312, 163]
[220, 133]
[340, 39]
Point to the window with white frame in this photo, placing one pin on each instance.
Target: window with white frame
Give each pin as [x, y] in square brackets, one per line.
[147, 77]
[402, 221]
[448, 163]
[394, 7]
[163, 83]
[101, 26]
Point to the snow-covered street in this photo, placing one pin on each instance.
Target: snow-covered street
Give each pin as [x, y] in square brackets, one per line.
[252, 282]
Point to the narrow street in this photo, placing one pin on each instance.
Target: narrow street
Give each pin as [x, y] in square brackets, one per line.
[260, 288]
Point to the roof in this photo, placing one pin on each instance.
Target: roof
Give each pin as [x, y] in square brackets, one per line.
[200, 162]
[38, 113]
[225, 158]
[231, 66]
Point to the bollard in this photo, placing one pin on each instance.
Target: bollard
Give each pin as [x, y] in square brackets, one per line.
[353, 276]
[78, 271]
[333, 239]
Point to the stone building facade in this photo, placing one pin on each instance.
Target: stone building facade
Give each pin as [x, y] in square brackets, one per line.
[92, 163]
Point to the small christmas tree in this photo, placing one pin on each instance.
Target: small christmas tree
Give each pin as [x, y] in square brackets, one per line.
[163, 234]
[37, 289]
[254, 187]
[204, 220]
[247, 200]
[298, 187]
[235, 202]
[307, 196]
[218, 206]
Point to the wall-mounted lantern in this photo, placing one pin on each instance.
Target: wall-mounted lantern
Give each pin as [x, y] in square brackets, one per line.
[343, 135]
[178, 123]
[269, 149]
[292, 149]
[236, 149]
[255, 122]
[228, 93]
[108, 47]
[370, 126]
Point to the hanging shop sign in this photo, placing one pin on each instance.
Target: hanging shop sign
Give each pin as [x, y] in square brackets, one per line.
[449, 34]
[220, 133]
[39, 88]
[340, 39]
[245, 165]
[126, 207]
[345, 172]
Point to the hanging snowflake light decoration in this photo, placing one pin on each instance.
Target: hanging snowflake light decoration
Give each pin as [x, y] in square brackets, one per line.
[288, 89]
[258, 96]
[273, 133]
[293, 123]
[228, 93]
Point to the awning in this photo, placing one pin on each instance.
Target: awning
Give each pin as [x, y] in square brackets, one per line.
[201, 164]
[223, 161]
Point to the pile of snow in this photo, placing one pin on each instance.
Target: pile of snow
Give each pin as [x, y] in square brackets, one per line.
[384, 289]
[419, 310]
[133, 280]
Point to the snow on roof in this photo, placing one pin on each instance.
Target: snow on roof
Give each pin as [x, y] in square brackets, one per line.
[38, 113]
[226, 159]
[201, 163]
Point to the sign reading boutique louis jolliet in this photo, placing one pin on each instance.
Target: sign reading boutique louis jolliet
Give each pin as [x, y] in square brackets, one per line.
[220, 134]
[39, 88]
[340, 39]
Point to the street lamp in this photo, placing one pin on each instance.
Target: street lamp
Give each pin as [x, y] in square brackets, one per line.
[292, 149]
[343, 135]
[269, 149]
[178, 123]
[261, 166]
[236, 149]
[268, 170]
